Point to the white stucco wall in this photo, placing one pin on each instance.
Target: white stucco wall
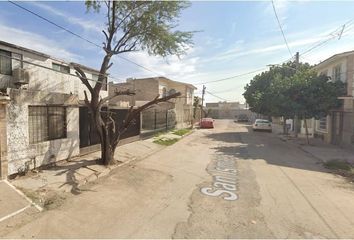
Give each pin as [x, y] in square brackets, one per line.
[20, 151]
[329, 68]
[47, 79]
[46, 87]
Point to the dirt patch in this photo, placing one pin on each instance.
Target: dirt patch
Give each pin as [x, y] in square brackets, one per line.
[47, 199]
[342, 168]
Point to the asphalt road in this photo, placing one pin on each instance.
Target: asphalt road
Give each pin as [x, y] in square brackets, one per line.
[226, 182]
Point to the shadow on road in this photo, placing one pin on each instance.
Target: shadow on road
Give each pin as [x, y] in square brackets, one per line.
[245, 144]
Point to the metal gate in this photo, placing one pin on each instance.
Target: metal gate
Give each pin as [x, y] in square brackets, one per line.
[88, 132]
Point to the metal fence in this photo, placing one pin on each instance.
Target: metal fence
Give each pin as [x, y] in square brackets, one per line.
[88, 132]
[154, 120]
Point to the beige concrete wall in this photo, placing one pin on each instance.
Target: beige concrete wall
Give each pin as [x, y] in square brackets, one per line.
[121, 101]
[19, 151]
[147, 89]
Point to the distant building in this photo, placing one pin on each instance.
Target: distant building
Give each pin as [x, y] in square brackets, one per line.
[226, 110]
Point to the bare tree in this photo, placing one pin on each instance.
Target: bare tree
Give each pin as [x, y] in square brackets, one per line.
[131, 26]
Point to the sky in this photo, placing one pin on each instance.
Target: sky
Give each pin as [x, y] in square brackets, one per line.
[232, 38]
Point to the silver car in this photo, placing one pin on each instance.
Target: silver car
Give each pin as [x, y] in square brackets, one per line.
[262, 125]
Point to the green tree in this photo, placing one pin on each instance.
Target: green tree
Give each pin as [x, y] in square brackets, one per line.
[315, 95]
[131, 26]
[269, 93]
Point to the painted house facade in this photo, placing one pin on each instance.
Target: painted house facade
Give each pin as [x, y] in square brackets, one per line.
[338, 127]
[40, 109]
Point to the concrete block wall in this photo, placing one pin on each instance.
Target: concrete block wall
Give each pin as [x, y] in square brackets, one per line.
[19, 151]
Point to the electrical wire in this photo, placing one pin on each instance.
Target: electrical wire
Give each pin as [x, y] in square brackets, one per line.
[47, 68]
[79, 36]
[228, 78]
[281, 28]
[212, 94]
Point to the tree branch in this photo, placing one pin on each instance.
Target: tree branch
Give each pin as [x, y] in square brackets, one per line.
[110, 65]
[133, 113]
[83, 78]
[86, 99]
[127, 92]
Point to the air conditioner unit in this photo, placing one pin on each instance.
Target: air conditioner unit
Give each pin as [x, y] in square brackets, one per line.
[20, 76]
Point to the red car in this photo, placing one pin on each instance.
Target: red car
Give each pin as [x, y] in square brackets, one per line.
[207, 123]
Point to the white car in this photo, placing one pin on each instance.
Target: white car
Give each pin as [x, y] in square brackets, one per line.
[262, 125]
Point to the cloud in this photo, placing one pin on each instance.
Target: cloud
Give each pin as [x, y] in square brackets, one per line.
[213, 42]
[171, 67]
[85, 24]
[36, 42]
[246, 51]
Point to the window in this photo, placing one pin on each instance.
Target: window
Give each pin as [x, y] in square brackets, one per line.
[322, 126]
[172, 91]
[337, 73]
[104, 84]
[61, 68]
[46, 123]
[5, 62]
[164, 92]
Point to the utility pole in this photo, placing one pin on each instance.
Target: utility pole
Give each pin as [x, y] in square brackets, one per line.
[296, 120]
[201, 107]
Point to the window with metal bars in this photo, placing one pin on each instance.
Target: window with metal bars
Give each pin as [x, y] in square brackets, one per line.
[46, 123]
[322, 124]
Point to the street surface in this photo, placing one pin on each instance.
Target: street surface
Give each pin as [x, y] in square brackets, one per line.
[226, 182]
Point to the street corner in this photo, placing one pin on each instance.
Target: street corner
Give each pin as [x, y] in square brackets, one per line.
[12, 202]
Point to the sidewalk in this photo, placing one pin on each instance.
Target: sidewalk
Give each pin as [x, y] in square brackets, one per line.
[317, 148]
[51, 185]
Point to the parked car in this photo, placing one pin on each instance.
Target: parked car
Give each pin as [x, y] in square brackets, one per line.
[242, 118]
[262, 125]
[207, 123]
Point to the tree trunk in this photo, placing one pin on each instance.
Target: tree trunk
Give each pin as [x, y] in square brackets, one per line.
[307, 131]
[107, 148]
[285, 129]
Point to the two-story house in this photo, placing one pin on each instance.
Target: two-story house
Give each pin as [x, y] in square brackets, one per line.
[41, 108]
[338, 127]
[179, 110]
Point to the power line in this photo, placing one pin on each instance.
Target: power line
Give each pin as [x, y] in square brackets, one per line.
[79, 36]
[212, 94]
[334, 34]
[320, 43]
[281, 28]
[228, 78]
[48, 68]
